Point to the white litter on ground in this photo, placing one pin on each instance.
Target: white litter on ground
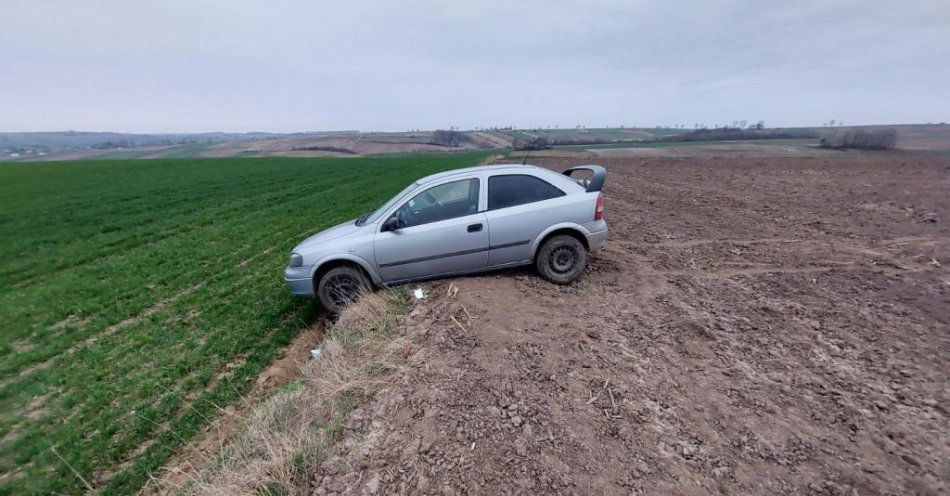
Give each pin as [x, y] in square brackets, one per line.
[419, 293]
[314, 353]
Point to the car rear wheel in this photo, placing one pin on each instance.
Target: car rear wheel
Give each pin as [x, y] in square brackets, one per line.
[561, 259]
[340, 287]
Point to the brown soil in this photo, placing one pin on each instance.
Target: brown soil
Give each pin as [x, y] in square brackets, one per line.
[754, 326]
[293, 147]
[726, 150]
[491, 140]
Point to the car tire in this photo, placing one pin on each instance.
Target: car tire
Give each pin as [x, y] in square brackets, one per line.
[561, 259]
[340, 287]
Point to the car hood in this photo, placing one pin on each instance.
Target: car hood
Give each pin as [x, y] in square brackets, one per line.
[335, 232]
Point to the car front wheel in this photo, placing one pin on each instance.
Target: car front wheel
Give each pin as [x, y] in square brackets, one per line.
[561, 259]
[340, 287]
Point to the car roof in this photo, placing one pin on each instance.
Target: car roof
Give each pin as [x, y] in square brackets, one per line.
[509, 168]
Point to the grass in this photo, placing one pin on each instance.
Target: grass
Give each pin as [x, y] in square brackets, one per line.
[187, 150]
[122, 154]
[419, 137]
[139, 297]
[284, 437]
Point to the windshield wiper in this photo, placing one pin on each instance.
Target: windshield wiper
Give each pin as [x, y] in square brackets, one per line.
[362, 219]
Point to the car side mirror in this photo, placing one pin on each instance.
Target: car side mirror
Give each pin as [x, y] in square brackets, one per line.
[391, 224]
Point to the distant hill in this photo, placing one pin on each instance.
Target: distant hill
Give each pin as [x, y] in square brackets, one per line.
[62, 141]
[72, 145]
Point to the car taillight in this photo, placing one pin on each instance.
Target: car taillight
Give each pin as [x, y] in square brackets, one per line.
[599, 209]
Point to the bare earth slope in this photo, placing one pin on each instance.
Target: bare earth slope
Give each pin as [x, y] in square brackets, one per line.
[755, 326]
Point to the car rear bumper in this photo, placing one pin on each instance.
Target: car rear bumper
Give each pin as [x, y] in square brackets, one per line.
[597, 239]
[299, 281]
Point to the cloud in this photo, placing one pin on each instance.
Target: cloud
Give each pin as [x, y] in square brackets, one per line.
[239, 65]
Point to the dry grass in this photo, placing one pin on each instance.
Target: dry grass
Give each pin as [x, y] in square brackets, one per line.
[287, 434]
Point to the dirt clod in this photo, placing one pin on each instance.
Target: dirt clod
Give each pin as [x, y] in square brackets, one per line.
[754, 326]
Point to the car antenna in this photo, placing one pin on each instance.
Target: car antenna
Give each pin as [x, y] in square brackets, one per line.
[526, 153]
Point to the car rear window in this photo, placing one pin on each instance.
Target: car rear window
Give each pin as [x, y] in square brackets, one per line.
[517, 189]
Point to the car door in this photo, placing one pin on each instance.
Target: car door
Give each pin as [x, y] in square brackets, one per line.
[520, 206]
[440, 232]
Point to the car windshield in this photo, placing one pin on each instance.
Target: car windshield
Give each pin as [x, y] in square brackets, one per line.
[375, 214]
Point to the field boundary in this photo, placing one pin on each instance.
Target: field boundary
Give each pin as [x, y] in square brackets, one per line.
[271, 445]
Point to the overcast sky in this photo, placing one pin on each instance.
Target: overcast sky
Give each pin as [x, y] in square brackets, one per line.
[298, 65]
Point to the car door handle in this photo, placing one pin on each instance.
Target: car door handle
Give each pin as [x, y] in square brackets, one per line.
[474, 227]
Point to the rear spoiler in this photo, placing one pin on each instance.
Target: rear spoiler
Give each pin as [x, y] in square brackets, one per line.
[596, 182]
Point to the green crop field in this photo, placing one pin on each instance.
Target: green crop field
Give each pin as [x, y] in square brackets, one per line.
[137, 298]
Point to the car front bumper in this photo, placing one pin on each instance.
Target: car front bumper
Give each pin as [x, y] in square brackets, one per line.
[299, 281]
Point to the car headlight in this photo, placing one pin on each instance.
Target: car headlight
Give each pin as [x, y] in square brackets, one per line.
[296, 260]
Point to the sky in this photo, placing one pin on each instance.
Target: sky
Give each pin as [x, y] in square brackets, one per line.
[307, 65]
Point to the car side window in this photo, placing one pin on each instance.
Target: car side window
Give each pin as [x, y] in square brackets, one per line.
[445, 201]
[517, 189]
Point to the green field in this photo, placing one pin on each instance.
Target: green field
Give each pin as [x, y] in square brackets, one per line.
[138, 298]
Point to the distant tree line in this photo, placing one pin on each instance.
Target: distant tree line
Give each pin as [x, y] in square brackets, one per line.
[579, 140]
[450, 137]
[120, 143]
[325, 148]
[738, 133]
[24, 149]
[532, 143]
[132, 143]
[862, 139]
[544, 142]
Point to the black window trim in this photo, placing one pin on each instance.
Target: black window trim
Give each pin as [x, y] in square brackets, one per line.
[488, 191]
[410, 196]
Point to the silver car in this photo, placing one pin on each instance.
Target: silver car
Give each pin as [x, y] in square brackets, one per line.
[458, 222]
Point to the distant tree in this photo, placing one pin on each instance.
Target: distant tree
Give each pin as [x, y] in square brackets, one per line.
[861, 139]
[534, 143]
[448, 138]
[726, 133]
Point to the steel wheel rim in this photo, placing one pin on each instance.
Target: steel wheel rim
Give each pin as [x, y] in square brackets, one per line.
[342, 290]
[562, 259]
